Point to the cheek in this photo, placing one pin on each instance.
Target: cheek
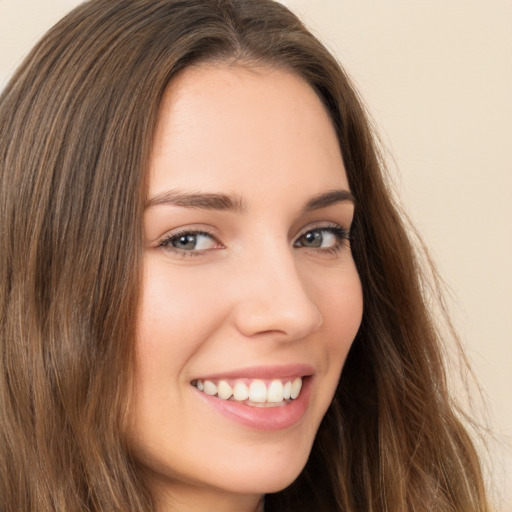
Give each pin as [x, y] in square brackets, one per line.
[342, 313]
[175, 310]
[340, 300]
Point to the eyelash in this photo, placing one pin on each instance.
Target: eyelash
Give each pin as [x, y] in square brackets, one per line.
[166, 243]
[341, 234]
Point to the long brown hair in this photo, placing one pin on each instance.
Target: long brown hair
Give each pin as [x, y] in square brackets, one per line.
[76, 124]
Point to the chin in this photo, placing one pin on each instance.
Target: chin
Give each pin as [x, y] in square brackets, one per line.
[269, 472]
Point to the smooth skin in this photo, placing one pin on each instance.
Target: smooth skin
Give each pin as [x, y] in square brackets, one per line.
[251, 278]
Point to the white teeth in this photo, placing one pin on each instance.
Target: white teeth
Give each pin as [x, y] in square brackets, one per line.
[256, 394]
[287, 391]
[275, 391]
[210, 388]
[296, 386]
[240, 392]
[224, 390]
[258, 391]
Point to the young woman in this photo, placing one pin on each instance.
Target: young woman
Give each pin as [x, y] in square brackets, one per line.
[208, 299]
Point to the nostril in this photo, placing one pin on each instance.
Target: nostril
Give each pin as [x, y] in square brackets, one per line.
[289, 321]
[274, 300]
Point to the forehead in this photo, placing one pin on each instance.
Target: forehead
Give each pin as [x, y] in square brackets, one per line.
[224, 126]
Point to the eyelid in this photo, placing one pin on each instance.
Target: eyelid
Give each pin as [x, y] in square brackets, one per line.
[325, 226]
[164, 242]
[341, 233]
[199, 228]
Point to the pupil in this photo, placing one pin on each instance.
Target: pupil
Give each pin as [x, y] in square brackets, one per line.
[186, 242]
[314, 239]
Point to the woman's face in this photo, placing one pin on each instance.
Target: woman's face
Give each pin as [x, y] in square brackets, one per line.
[249, 285]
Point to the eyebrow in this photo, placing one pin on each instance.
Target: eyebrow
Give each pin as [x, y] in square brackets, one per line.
[203, 201]
[328, 198]
[225, 202]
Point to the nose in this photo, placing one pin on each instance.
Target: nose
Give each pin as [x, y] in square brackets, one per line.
[272, 298]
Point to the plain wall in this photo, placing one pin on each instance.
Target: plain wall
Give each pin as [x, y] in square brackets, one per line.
[437, 79]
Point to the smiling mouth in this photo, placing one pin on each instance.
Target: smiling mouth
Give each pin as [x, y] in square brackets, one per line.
[252, 392]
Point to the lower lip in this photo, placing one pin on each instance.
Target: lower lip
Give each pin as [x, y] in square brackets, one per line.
[266, 419]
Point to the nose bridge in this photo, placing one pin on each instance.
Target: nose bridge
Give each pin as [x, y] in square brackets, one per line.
[273, 297]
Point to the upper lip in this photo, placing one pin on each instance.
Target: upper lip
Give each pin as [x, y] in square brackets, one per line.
[263, 372]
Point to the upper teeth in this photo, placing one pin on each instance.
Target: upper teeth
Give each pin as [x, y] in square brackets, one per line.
[258, 391]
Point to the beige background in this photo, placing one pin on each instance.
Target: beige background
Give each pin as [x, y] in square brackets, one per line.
[437, 77]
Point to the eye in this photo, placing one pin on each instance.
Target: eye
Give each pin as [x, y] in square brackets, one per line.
[189, 242]
[330, 238]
